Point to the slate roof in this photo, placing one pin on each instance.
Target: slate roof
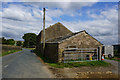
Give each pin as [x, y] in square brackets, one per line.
[59, 39]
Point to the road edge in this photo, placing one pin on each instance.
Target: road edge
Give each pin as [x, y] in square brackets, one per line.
[46, 67]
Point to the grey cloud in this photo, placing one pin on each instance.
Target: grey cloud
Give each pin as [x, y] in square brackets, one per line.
[63, 5]
[12, 18]
[102, 29]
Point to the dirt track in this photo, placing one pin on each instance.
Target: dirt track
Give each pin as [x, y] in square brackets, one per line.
[84, 72]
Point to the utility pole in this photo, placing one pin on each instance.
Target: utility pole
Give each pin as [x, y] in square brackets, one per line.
[43, 29]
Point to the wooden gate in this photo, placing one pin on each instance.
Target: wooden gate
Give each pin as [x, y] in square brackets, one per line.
[80, 54]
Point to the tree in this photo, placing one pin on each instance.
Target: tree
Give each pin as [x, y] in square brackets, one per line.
[29, 39]
[0, 40]
[10, 42]
[19, 43]
[4, 41]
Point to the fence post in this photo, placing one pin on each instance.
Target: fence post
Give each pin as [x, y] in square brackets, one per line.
[60, 55]
[63, 57]
[99, 53]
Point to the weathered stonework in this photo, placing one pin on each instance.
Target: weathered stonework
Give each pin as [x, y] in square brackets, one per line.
[80, 40]
[58, 38]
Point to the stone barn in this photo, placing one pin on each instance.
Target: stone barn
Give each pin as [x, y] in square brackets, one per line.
[58, 37]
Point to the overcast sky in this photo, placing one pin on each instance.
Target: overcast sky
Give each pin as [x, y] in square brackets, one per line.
[99, 19]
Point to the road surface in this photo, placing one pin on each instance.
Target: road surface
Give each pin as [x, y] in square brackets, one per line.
[24, 64]
[116, 65]
[0, 68]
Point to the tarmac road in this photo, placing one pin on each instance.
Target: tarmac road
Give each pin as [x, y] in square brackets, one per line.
[0, 68]
[24, 64]
[116, 65]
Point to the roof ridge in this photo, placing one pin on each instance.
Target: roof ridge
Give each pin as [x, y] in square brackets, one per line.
[66, 36]
[56, 24]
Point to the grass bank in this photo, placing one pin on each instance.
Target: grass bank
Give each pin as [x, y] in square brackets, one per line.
[9, 52]
[79, 64]
[30, 48]
[72, 64]
[43, 58]
[115, 59]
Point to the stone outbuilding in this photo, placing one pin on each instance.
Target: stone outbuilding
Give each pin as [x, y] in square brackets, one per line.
[58, 37]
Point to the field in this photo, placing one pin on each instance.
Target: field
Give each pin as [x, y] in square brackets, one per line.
[9, 52]
[8, 49]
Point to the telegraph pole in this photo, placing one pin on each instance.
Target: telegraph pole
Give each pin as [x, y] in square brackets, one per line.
[43, 29]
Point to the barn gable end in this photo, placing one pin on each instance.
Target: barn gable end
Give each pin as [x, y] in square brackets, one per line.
[55, 31]
[81, 40]
[77, 40]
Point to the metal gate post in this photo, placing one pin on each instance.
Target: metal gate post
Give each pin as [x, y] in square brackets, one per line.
[81, 55]
[99, 52]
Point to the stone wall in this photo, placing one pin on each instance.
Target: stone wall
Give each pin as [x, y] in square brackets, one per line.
[51, 51]
[55, 31]
[6, 48]
[54, 51]
[81, 40]
[52, 32]
[60, 54]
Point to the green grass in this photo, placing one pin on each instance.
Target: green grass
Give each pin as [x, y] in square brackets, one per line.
[9, 52]
[79, 64]
[43, 58]
[116, 59]
[72, 64]
[30, 48]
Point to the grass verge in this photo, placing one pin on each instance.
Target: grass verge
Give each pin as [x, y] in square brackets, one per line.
[79, 64]
[72, 64]
[115, 58]
[9, 52]
[30, 48]
[43, 58]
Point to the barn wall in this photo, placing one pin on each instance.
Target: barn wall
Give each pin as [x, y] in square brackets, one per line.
[60, 53]
[55, 31]
[38, 42]
[82, 40]
[52, 32]
[51, 51]
[54, 51]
